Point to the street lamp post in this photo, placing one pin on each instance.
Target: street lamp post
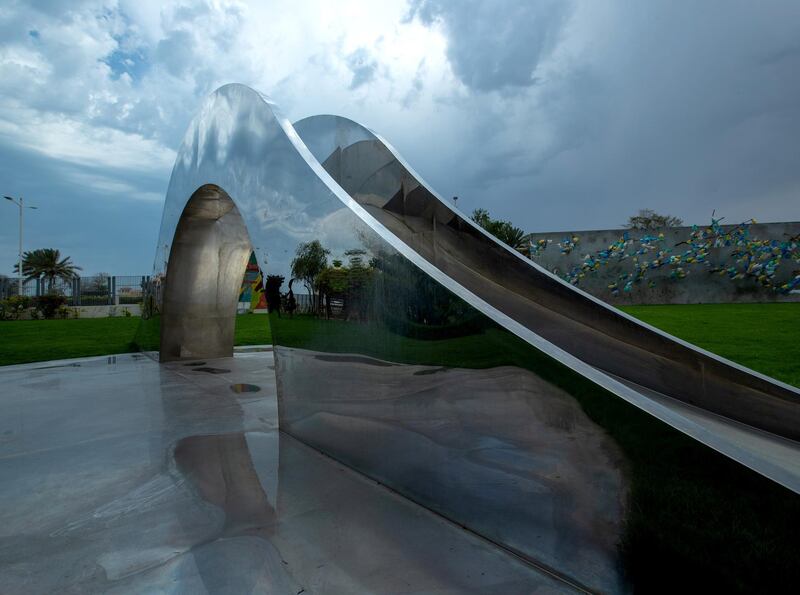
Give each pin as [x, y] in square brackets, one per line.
[22, 208]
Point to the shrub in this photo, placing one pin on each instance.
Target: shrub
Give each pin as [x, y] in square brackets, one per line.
[13, 307]
[50, 305]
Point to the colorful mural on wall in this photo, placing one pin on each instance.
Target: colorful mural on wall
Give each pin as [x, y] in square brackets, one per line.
[252, 290]
[749, 257]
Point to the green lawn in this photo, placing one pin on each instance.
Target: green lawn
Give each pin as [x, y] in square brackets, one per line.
[694, 515]
[253, 329]
[24, 341]
[764, 337]
[760, 336]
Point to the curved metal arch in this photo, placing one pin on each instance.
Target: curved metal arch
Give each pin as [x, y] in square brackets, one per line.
[239, 139]
[206, 264]
[289, 185]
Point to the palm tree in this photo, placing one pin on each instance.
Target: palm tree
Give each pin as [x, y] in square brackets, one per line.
[513, 236]
[47, 264]
[503, 231]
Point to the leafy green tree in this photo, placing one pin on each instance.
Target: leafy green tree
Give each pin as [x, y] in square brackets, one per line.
[47, 264]
[99, 283]
[649, 219]
[311, 258]
[333, 280]
[359, 276]
[351, 284]
[503, 231]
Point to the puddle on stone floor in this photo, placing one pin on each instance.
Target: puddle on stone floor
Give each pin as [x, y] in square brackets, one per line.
[428, 372]
[353, 359]
[221, 468]
[212, 370]
[241, 387]
[75, 365]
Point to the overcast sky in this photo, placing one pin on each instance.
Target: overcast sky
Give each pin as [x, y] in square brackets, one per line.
[556, 115]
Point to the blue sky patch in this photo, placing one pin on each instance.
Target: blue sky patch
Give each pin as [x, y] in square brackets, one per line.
[132, 62]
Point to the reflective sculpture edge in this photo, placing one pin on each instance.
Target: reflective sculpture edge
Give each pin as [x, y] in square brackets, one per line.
[245, 177]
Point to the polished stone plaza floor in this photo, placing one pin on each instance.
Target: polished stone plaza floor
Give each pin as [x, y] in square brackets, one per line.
[118, 474]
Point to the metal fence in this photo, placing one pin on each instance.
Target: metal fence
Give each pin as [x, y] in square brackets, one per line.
[83, 291]
[305, 305]
[106, 291]
[303, 302]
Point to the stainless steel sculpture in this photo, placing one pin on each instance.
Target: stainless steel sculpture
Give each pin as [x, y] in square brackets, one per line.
[440, 377]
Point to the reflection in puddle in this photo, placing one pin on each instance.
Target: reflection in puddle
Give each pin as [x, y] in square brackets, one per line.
[353, 359]
[222, 471]
[241, 387]
[428, 372]
[195, 364]
[239, 557]
[213, 370]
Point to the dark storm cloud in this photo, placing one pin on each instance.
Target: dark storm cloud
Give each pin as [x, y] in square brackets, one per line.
[496, 44]
[552, 114]
[680, 107]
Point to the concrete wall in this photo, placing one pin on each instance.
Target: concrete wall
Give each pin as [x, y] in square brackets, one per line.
[699, 286]
[95, 311]
[106, 311]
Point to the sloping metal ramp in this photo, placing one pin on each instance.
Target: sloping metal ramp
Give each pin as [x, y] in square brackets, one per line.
[737, 411]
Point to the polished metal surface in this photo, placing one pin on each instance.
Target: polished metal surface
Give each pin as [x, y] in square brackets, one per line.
[633, 353]
[206, 265]
[432, 361]
[600, 335]
[160, 479]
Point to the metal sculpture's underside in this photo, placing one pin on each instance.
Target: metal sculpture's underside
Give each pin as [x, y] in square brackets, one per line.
[487, 436]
